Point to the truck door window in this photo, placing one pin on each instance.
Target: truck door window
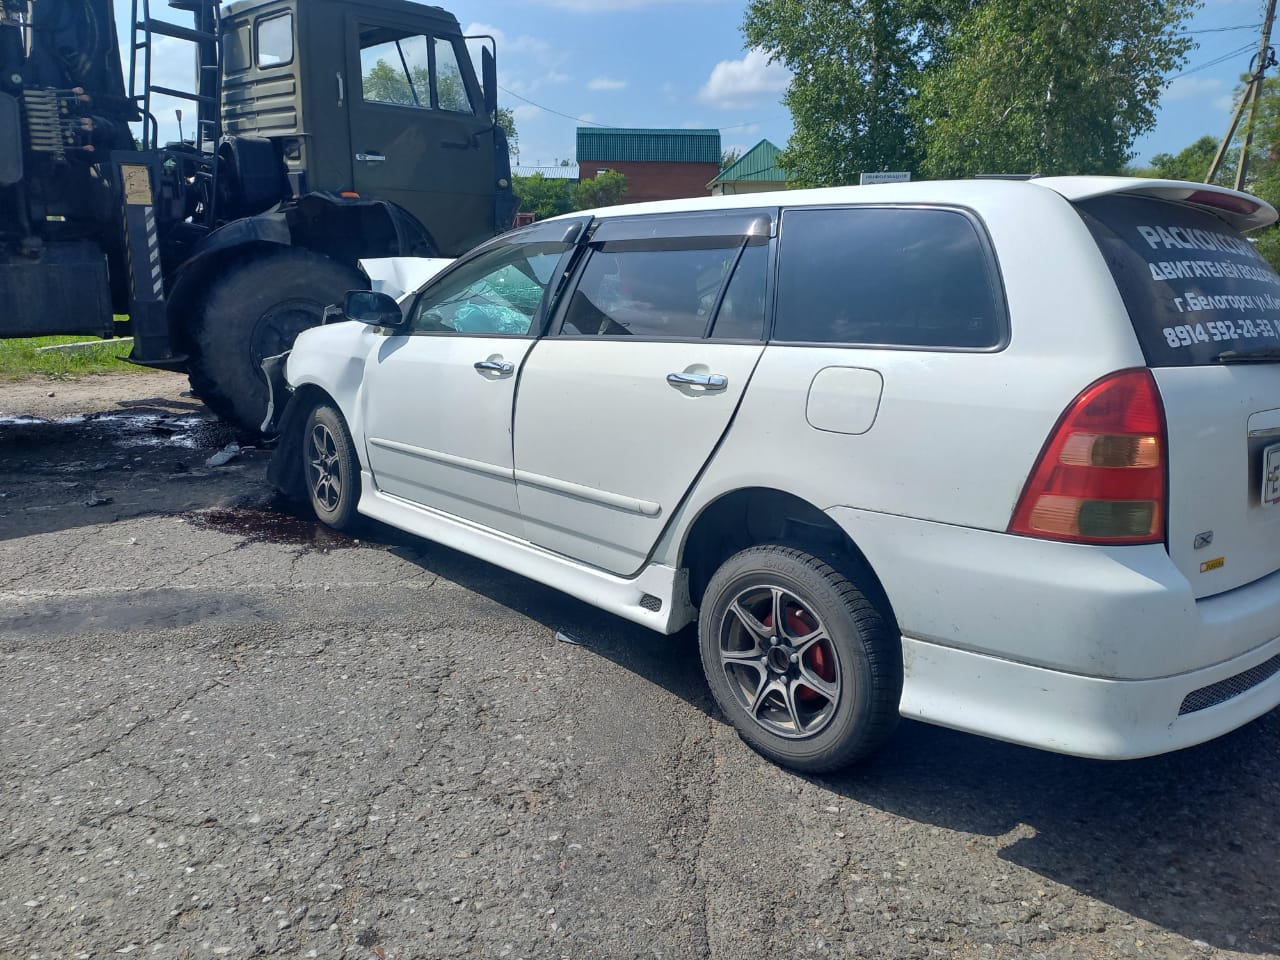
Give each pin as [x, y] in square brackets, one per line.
[275, 41]
[451, 89]
[394, 67]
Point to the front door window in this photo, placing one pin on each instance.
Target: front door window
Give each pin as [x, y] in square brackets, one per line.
[498, 292]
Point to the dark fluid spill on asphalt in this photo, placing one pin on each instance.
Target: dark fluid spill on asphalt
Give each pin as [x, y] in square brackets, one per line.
[132, 430]
[277, 521]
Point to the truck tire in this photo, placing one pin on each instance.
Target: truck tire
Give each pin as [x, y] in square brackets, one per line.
[252, 311]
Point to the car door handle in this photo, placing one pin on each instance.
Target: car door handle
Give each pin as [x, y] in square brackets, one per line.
[495, 366]
[712, 381]
[371, 157]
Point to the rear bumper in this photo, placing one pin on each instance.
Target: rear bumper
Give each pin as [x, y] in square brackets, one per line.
[1085, 650]
[1084, 716]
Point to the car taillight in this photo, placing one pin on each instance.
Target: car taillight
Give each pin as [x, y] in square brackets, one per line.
[1101, 475]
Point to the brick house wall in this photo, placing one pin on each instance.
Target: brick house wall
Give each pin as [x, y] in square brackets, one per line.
[653, 180]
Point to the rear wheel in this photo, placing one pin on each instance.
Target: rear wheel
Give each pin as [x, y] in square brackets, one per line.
[331, 469]
[253, 311]
[801, 661]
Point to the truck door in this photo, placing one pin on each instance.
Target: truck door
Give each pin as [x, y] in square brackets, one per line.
[419, 134]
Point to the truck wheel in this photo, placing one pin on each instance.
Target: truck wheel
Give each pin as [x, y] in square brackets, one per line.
[330, 467]
[252, 311]
[801, 661]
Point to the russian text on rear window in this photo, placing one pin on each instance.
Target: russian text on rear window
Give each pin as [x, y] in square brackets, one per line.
[1196, 290]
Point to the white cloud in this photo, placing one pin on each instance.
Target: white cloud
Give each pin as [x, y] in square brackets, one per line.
[739, 84]
[606, 83]
[525, 62]
[1192, 88]
[525, 113]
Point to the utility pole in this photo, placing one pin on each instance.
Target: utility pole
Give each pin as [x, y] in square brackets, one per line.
[1265, 58]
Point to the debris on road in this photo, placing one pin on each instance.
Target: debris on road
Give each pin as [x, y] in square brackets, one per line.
[98, 501]
[224, 456]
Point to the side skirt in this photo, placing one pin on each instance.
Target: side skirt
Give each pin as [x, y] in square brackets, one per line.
[632, 599]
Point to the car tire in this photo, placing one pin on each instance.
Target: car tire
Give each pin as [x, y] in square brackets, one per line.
[824, 691]
[330, 468]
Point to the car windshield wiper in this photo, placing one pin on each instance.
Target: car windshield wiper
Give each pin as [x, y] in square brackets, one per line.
[1269, 355]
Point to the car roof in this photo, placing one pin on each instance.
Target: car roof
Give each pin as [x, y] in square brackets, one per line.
[1243, 211]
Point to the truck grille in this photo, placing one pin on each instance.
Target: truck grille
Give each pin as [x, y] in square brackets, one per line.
[1224, 690]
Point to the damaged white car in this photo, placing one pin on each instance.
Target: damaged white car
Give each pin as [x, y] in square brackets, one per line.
[1002, 456]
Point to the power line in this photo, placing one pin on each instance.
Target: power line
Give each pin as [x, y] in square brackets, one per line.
[1242, 26]
[567, 116]
[1213, 63]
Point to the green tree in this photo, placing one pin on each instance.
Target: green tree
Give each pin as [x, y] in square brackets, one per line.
[507, 121]
[604, 190]
[543, 197]
[855, 67]
[729, 157]
[1047, 86]
[1263, 178]
[387, 84]
[1190, 163]
[958, 87]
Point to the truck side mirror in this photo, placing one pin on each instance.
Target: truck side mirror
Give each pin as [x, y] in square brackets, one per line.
[375, 309]
[489, 72]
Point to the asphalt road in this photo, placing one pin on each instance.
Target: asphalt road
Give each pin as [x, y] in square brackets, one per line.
[226, 733]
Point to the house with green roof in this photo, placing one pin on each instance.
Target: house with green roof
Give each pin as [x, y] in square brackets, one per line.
[755, 171]
[658, 164]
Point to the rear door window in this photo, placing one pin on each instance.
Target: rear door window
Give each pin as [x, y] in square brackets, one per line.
[1196, 290]
[644, 288]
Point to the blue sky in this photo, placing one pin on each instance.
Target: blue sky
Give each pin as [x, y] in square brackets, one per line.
[683, 63]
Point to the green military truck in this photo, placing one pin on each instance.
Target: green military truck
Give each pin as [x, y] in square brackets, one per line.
[325, 131]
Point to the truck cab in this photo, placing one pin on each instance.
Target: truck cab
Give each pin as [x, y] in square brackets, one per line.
[374, 98]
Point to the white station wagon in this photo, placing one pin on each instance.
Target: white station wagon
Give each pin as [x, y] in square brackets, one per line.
[998, 455]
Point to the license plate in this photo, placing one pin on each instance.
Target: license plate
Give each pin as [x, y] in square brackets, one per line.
[1271, 475]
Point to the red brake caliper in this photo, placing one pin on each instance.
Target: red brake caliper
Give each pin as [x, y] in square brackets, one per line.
[817, 658]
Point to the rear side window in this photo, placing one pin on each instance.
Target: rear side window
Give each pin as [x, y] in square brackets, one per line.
[915, 277]
[1195, 289]
[275, 41]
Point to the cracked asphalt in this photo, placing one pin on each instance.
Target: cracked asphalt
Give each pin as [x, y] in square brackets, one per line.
[225, 732]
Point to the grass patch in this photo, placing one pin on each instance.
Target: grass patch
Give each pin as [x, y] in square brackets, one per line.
[20, 361]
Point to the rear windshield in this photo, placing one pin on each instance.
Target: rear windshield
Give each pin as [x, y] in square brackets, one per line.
[1196, 290]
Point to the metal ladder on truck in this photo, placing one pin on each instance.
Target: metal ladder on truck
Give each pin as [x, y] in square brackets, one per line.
[142, 178]
[207, 38]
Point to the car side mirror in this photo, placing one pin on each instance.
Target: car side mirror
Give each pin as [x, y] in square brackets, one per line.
[375, 309]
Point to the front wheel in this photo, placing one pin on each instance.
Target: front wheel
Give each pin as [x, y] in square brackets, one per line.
[331, 469]
[803, 663]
